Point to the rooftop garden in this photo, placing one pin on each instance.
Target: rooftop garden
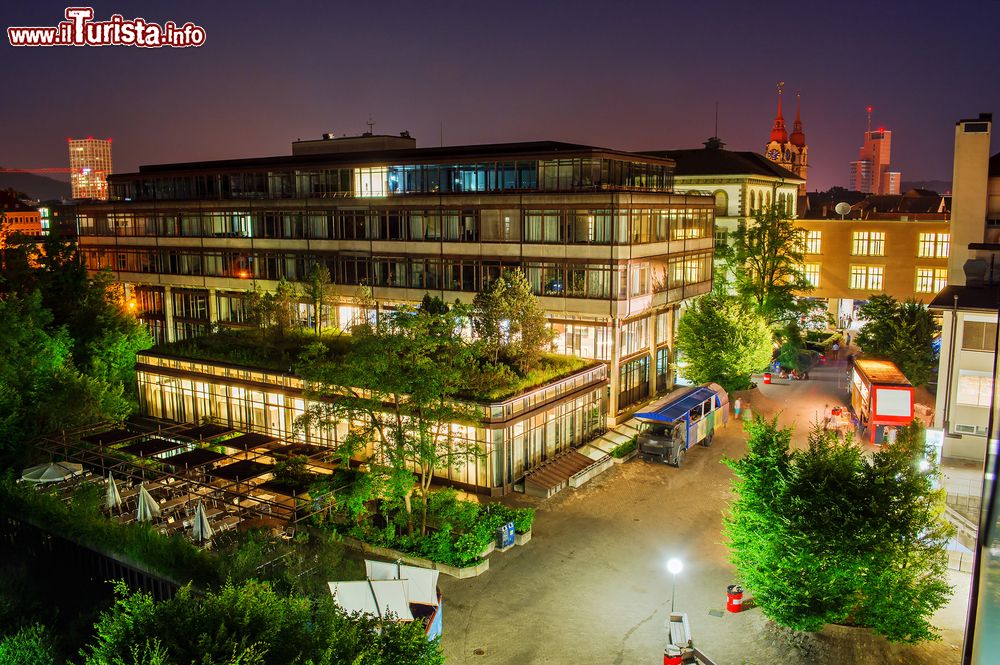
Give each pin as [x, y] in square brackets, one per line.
[248, 347]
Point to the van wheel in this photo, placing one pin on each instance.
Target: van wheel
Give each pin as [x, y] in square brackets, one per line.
[708, 440]
[679, 458]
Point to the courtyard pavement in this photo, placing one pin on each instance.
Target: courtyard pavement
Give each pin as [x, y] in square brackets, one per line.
[592, 587]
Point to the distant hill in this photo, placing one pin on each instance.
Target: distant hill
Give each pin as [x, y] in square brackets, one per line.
[36, 186]
[939, 186]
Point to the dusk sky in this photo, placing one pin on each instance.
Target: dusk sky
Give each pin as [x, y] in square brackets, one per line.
[626, 75]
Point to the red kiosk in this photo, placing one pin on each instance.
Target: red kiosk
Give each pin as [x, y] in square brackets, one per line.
[881, 398]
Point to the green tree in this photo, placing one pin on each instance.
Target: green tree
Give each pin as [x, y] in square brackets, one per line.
[319, 292]
[509, 321]
[902, 332]
[251, 624]
[829, 535]
[41, 389]
[31, 645]
[765, 259]
[398, 385]
[723, 340]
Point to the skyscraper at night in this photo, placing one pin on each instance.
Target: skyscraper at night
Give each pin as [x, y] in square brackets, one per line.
[870, 173]
[90, 165]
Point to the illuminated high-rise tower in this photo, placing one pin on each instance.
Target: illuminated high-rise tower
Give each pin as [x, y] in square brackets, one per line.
[870, 173]
[90, 166]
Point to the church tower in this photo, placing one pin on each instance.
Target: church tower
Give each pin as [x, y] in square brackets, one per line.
[791, 151]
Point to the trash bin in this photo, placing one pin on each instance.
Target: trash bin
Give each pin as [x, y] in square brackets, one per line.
[734, 598]
[505, 535]
[672, 655]
[767, 378]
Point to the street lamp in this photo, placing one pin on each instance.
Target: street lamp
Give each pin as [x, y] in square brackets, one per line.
[674, 566]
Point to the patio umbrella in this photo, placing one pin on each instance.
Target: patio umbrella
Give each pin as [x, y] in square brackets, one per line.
[52, 472]
[114, 498]
[148, 509]
[201, 530]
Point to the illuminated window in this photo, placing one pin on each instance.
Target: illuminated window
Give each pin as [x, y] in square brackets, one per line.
[868, 243]
[371, 181]
[974, 388]
[867, 277]
[934, 245]
[814, 242]
[811, 271]
[931, 280]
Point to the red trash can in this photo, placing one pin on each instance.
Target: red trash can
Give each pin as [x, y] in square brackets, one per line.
[734, 598]
[672, 655]
[767, 377]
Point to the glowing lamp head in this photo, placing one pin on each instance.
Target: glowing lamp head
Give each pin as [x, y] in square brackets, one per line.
[131, 304]
[675, 566]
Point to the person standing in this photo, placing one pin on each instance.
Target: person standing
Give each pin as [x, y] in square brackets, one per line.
[737, 407]
[836, 350]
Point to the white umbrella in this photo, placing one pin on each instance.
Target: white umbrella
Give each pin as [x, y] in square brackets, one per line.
[201, 530]
[52, 472]
[113, 498]
[148, 509]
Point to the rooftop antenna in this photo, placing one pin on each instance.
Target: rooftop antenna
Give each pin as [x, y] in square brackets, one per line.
[869, 109]
[370, 123]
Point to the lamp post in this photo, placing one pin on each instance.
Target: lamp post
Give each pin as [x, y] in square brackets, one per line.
[674, 566]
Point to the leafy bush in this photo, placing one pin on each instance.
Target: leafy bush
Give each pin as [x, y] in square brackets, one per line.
[32, 645]
[624, 449]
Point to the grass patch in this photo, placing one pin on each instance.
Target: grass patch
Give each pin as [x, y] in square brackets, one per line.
[623, 449]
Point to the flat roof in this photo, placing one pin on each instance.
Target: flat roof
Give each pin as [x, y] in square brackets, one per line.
[249, 441]
[486, 151]
[675, 405]
[985, 298]
[242, 470]
[150, 447]
[206, 431]
[882, 372]
[194, 458]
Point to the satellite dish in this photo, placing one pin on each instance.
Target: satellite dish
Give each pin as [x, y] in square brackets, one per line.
[842, 208]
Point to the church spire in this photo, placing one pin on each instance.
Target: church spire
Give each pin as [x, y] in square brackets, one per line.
[798, 137]
[778, 132]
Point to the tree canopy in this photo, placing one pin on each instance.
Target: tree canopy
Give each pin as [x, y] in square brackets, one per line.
[398, 383]
[723, 340]
[902, 332]
[250, 624]
[765, 259]
[829, 535]
[509, 321]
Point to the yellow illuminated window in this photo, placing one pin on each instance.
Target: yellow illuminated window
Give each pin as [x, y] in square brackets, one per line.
[867, 277]
[868, 243]
[931, 280]
[811, 271]
[934, 245]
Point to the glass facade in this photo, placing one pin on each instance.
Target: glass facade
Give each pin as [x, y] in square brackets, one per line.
[582, 173]
[516, 435]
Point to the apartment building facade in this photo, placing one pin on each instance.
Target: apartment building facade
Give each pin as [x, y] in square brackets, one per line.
[849, 260]
[608, 245]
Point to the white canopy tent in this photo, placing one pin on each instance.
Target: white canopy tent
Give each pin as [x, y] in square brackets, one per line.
[421, 582]
[51, 472]
[375, 597]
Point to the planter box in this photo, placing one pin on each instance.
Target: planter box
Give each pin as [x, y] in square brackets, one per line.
[488, 550]
[522, 538]
[627, 457]
[409, 559]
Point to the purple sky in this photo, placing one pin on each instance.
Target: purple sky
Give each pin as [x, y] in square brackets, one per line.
[628, 75]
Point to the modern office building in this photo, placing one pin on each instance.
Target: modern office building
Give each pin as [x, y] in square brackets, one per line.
[870, 173]
[90, 166]
[609, 246]
[970, 302]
